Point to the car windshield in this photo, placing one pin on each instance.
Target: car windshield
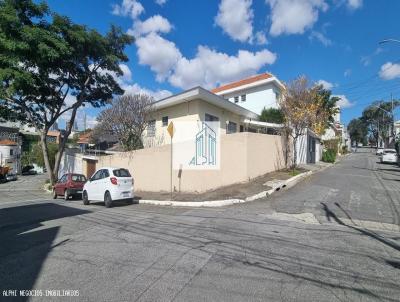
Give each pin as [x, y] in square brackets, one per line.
[121, 173]
[390, 151]
[78, 178]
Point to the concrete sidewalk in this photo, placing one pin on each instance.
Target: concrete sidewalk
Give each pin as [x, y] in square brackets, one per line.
[267, 185]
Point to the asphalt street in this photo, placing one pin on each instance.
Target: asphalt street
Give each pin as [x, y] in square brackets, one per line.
[246, 252]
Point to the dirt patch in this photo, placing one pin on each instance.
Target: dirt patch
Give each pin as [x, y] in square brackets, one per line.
[236, 191]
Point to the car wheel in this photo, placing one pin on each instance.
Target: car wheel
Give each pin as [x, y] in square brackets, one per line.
[54, 194]
[66, 194]
[85, 198]
[108, 200]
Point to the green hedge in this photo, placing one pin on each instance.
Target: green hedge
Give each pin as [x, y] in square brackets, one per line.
[329, 156]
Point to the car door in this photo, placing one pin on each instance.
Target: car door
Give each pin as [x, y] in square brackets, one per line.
[59, 187]
[103, 183]
[93, 184]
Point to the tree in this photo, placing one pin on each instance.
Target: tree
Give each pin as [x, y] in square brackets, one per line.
[358, 130]
[35, 155]
[299, 106]
[379, 119]
[127, 118]
[272, 115]
[50, 67]
[326, 109]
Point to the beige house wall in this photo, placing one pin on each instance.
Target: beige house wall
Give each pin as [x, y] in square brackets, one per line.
[243, 156]
[190, 111]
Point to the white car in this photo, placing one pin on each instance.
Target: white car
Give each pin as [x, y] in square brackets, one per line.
[389, 156]
[108, 185]
[379, 151]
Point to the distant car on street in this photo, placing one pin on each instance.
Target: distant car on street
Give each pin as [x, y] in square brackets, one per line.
[68, 185]
[11, 176]
[389, 156]
[108, 185]
[379, 151]
[28, 170]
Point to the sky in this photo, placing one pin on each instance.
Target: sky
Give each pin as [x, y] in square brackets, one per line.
[181, 44]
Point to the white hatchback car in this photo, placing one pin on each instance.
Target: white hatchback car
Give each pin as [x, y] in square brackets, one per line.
[108, 185]
[389, 156]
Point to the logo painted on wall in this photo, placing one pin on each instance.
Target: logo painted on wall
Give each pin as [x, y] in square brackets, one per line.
[206, 147]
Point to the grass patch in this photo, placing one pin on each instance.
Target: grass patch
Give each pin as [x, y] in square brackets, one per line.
[294, 172]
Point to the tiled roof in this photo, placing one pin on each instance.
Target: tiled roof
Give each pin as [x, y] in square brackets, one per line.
[7, 142]
[242, 82]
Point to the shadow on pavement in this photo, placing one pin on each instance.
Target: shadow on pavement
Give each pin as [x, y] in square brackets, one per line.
[331, 215]
[23, 249]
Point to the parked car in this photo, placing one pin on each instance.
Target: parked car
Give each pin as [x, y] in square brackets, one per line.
[28, 170]
[379, 151]
[68, 185]
[109, 185]
[389, 156]
[11, 176]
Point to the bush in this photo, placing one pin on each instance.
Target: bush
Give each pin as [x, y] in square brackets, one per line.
[329, 156]
[332, 144]
[344, 150]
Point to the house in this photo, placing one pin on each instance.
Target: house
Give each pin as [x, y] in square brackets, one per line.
[199, 104]
[53, 136]
[254, 93]
[10, 155]
[308, 147]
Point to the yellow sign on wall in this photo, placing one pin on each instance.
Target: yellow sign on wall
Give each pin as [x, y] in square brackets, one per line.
[171, 129]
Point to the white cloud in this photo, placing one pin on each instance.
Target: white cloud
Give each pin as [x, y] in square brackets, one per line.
[210, 68]
[344, 101]
[327, 85]
[235, 17]
[389, 71]
[158, 53]
[156, 94]
[320, 37]
[153, 24]
[260, 38]
[294, 16]
[354, 4]
[131, 8]
[161, 2]
[127, 74]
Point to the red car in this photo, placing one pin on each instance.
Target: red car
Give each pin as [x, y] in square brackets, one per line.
[68, 185]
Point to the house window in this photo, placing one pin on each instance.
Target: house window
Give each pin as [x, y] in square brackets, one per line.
[243, 97]
[277, 95]
[11, 152]
[231, 127]
[165, 121]
[211, 118]
[236, 98]
[151, 128]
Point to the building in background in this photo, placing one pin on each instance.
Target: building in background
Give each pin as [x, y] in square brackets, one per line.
[10, 155]
[254, 93]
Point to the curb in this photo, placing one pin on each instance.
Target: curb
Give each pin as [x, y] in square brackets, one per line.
[226, 202]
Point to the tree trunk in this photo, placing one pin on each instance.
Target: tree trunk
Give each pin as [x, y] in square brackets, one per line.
[63, 141]
[43, 142]
[294, 153]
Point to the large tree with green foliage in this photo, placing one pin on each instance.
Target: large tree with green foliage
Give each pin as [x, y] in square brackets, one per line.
[379, 119]
[50, 66]
[358, 130]
[272, 115]
[326, 110]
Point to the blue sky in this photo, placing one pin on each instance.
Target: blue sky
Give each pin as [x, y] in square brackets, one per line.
[181, 44]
